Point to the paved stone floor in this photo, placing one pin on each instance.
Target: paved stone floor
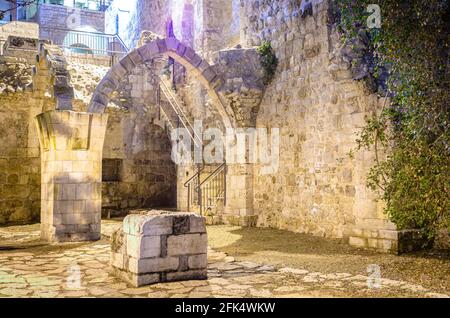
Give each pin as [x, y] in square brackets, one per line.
[30, 268]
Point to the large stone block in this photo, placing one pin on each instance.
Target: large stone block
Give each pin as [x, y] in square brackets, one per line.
[187, 244]
[159, 246]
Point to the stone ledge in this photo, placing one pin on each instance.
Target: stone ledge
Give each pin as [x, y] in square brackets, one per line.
[388, 241]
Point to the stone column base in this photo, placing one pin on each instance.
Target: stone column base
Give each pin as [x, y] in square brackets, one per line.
[70, 233]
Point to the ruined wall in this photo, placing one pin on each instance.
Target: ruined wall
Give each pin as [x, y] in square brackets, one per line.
[19, 155]
[215, 26]
[147, 176]
[319, 108]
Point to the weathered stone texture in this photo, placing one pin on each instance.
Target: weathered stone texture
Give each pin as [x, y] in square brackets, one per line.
[159, 246]
[19, 153]
[318, 189]
[71, 151]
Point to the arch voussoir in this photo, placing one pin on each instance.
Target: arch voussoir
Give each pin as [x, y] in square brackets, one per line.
[172, 47]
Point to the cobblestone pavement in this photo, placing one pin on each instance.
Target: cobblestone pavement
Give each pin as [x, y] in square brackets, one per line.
[30, 268]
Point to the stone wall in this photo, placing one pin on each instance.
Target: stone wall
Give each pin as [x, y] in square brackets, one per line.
[147, 176]
[134, 136]
[319, 108]
[205, 25]
[54, 20]
[19, 154]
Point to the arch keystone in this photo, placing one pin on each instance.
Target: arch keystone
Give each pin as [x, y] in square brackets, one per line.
[148, 51]
[172, 44]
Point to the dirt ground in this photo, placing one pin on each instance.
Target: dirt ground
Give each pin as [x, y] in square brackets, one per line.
[283, 248]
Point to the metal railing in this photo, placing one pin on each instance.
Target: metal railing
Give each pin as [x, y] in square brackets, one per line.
[178, 110]
[213, 189]
[206, 193]
[95, 44]
[96, 5]
[192, 184]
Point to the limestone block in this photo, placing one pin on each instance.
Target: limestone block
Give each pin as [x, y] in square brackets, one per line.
[127, 63]
[135, 57]
[159, 246]
[187, 244]
[148, 51]
[139, 225]
[187, 275]
[153, 265]
[143, 247]
[198, 261]
[172, 44]
[162, 46]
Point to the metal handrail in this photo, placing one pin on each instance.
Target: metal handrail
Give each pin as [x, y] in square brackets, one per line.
[177, 108]
[197, 174]
[102, 5]
[213, 174]
[100, 34]
[212, 188]
[88, 42]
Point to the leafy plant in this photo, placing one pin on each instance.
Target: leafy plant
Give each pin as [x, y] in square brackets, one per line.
[269, 61]
[412, 131]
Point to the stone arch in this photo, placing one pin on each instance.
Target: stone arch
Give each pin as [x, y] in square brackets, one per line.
[182, 54]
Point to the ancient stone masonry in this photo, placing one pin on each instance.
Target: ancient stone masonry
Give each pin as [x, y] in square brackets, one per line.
[319, 106]
[173, 48]
[71, 154]
[318, 99]
[160, 246]
[243, 89]
[19, 154]
[19, 39]
[51, 71]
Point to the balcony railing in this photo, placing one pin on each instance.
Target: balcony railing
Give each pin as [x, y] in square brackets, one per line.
[96, 5]
[94, 44]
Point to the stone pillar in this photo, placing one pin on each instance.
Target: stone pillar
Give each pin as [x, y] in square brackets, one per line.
[71, 161]
[239, 195]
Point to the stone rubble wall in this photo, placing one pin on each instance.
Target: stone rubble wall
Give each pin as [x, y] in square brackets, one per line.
[160, 246]
[319, 107]
[20, 184]
[19, 29]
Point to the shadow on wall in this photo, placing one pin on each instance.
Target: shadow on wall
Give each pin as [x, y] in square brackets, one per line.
[144, 178]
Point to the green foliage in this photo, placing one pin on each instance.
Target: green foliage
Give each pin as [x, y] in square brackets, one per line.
[412, 131]
[269, 61]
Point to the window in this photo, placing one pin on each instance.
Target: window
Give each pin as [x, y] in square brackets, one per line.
[112, 170]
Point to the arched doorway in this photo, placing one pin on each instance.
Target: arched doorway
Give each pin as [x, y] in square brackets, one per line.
[182, 54]
[208, 78]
